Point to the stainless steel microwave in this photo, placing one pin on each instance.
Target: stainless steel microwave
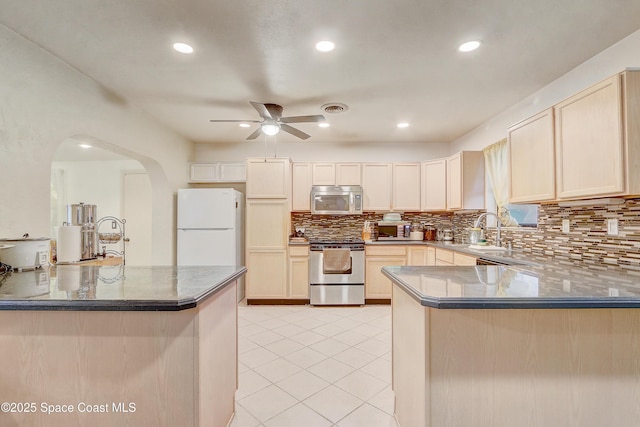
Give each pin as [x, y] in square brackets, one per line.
[336, 199]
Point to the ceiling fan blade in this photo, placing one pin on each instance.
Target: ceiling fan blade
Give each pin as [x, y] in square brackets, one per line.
[293, 131]
[262, 110]
[235, 121]
[255, 134]
[275, 110]
[303, 119]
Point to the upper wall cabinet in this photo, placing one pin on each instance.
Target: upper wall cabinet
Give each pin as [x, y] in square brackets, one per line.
[324, 173]
[406, 187]
[465, 181]
[434, 185]
[376, 186]
[532, 159]
[301, 186]
[348, 174]
[597, 140]
[268, 178]
[217, 172]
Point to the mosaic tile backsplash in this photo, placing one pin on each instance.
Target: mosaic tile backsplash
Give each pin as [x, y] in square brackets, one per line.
[586, 243]
[349, 226]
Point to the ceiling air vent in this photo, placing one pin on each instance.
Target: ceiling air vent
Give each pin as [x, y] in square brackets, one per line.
[334, 108]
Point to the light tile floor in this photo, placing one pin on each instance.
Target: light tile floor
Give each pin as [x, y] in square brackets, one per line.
[314, 367]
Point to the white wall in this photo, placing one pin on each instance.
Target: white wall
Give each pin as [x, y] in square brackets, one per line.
[43, 101]
[96, 183]
[624, 54]
[306, 151]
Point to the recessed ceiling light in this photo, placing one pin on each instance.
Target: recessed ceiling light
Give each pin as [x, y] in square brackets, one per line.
[244, 125]
[403, 125]
[469, 46]
[183, 48]
[84, 146]
[325, 46]
[323, 124]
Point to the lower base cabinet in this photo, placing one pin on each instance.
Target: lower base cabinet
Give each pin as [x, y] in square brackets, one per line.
[266, 274]
[298, 287]
[418, 255]
[377, 286]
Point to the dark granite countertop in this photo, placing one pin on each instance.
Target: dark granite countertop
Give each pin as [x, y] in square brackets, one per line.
[517, 286]
[113, 288]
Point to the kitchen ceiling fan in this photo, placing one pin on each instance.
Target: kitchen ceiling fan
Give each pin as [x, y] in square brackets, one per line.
[273, 122]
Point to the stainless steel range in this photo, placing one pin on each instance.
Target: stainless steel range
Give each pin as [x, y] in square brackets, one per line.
[336, 271]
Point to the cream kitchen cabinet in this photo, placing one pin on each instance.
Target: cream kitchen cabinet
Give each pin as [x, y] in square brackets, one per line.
[448, 257]
[406, 187]
[217, 172]
[377, 286]
[348, 174]
[301, 183]
[267, 228]
[597, 140]
[465, 181]
[433, 185]
[298, 285]
[267, 231]
[463, 259]
[268, 178]
[417, 255]
[337, 174]
[444, 257]
[268, 277]
[532, 175]
[376, 186]
[324, 173]
[431, 256]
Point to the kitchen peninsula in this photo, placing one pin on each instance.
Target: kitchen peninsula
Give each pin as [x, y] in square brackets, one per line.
[108, 345]
[515, 345]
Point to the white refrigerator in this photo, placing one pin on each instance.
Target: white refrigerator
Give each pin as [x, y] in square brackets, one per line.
[210, 228]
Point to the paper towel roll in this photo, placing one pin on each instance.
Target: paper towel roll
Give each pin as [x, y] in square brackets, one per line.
[69, 246]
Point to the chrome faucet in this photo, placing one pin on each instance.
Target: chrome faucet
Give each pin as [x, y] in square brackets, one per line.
[498, 228]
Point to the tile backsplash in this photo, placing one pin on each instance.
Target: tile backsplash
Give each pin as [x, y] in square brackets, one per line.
[586, 243]
[346, 226]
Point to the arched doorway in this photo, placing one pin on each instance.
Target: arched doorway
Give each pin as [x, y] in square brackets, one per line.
[113, 181]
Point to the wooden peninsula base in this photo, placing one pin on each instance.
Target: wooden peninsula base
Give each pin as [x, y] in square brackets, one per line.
[515, 367]
[75, 367]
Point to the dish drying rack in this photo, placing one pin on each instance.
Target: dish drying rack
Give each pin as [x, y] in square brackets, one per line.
[115, 236]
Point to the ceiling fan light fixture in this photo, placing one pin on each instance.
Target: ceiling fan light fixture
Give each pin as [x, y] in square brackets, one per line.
[270, 128]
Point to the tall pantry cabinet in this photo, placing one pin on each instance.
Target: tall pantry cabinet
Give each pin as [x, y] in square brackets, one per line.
[268, 206]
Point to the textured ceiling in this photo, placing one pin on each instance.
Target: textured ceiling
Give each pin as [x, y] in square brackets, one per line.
[394, 60]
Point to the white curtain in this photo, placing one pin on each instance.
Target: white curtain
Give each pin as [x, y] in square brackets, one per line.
[497, 168]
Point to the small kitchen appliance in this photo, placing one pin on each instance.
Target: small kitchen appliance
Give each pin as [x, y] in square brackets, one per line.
[85, 216]
[26, 253]
[394, 230]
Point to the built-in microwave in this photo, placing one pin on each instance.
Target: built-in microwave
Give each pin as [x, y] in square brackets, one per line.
[393, 230]
[336, 199]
